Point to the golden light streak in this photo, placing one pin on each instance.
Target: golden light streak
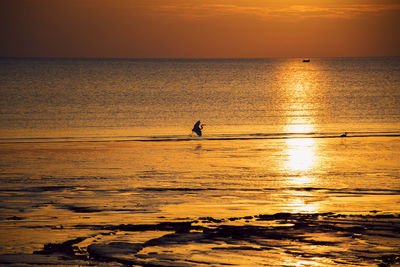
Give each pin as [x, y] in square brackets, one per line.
[300, 154]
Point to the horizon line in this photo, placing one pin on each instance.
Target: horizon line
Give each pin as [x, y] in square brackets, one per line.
[189, 58]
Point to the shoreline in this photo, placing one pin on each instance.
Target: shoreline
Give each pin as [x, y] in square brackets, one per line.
[329, 239]
[183, 138]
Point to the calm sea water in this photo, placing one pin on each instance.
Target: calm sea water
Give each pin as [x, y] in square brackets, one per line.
[127, 98]
[108, 141]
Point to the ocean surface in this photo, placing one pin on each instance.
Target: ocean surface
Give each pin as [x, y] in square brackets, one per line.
[94, 142]
[124, 99]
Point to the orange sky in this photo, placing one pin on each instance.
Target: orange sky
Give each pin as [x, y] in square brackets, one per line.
[199, 28]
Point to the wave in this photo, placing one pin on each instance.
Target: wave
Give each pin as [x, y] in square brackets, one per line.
[212, 137]
[324, 190]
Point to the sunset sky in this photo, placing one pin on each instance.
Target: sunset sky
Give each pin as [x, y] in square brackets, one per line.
[199, 28]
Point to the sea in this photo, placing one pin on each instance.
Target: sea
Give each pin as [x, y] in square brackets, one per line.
[127, 98]
[109, 142]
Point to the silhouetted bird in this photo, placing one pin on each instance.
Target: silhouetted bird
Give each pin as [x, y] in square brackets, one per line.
[197, 128]
[344, 135]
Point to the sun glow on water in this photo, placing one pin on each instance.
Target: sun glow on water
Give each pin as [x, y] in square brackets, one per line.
[300, 149]
[301, 158]
[300, 154]
[300, 205]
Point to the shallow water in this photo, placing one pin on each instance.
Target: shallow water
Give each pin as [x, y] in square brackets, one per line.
[87, 144]
[61, 185]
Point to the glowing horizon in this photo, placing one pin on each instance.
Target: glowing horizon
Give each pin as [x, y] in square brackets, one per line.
[199, 29]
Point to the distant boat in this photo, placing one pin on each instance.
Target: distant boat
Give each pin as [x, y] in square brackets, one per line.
[306, 60]
[344, 135]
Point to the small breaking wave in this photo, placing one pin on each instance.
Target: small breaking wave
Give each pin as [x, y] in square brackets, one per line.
[187, 138]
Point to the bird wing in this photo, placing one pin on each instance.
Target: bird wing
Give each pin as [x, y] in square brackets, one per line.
[196, 125]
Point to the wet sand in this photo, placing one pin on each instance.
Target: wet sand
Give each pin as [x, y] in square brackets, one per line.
[282, 239]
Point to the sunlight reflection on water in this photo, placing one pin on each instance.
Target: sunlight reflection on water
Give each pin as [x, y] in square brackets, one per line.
[301, 160]
[300, 205]
[300, 153]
